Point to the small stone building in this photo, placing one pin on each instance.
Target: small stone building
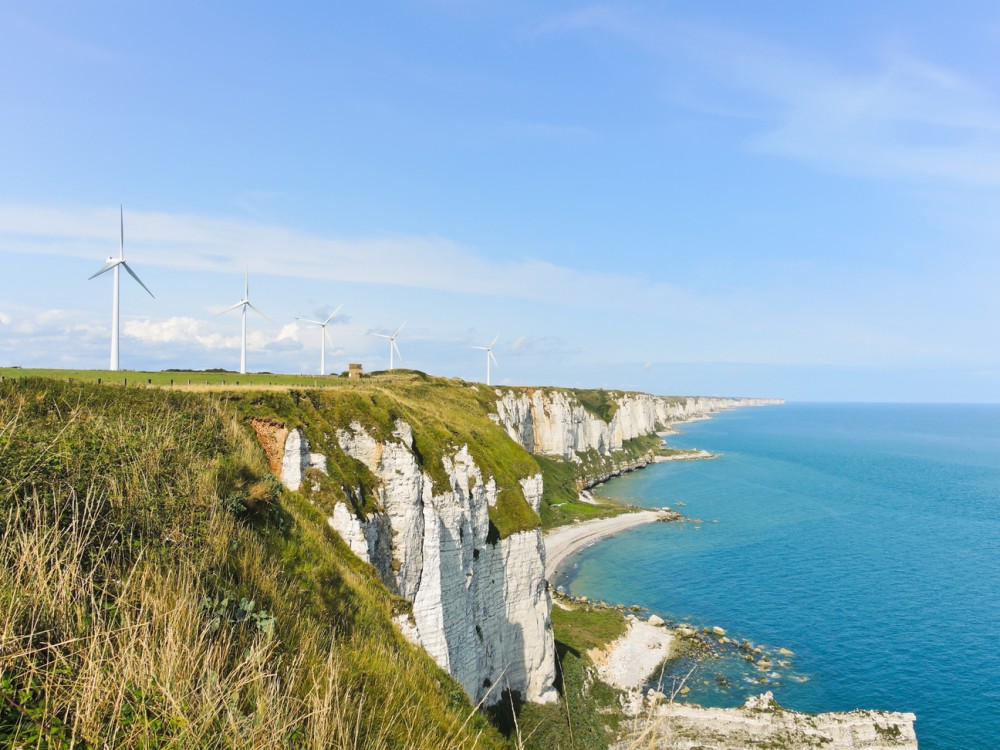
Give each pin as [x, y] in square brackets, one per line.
[355, 370]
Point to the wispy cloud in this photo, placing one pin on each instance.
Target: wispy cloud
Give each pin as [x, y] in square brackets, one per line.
[201, 243]
[544, 345]
[908, 119]
[897, 117]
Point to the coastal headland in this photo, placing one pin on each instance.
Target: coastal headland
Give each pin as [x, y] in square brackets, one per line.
[300, 541]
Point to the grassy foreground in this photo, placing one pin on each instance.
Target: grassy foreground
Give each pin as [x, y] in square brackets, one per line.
[159, 589]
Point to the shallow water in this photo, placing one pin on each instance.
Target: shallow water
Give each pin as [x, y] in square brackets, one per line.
[865, 538]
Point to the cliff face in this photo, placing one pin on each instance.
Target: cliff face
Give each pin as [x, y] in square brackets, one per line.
[556, 423]
[480, 606]
[480, 603]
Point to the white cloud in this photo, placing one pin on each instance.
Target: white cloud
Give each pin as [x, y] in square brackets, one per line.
[200, 243]
[186, 330]
[538, 345]
[50, 316]
[908, 119]
[901, 117]
[4, 319]
[289, 331]
[160, 332]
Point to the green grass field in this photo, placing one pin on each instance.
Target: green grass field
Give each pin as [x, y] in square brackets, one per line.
[166, 378]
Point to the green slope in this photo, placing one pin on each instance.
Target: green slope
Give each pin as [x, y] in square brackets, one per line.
[159, 589]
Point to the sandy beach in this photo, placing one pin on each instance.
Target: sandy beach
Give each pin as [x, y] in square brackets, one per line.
[562, 542]
[629, 661]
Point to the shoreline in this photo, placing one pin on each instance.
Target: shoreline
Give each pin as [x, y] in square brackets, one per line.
[629, 669]
[564, 541]
[622, 663]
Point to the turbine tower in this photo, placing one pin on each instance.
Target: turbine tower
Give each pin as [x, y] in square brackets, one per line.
[392, 344]
[489, 356]
[323, 337]
[115, 264]
[244, 303]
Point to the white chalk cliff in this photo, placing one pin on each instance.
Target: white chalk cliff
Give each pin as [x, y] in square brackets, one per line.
[555, 423]
[480, 603]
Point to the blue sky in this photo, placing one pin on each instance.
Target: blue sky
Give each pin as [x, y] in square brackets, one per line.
[775, 199]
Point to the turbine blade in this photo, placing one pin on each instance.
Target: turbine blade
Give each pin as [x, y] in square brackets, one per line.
[494, 340]
[484, 348]
[121, 238]
[382, 336]
[326, 335]
[308, 320]
[232, 307]
[246, 283]
[257, 310]
[106, 267]
[334, 313]
[398, 353]
[398, 330]
[131, 273]
[490, 353]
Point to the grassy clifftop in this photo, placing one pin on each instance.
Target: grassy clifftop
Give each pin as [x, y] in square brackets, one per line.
[445, 416]
[159, 589]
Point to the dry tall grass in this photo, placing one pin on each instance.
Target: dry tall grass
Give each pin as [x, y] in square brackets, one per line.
[113, 543]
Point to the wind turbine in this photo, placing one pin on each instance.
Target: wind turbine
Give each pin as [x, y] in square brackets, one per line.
[113, 263]
[489, 356]
[322, 325]
[392, 344]
[245, 303]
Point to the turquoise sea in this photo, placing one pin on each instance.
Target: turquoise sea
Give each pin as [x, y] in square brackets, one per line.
[864, 538]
